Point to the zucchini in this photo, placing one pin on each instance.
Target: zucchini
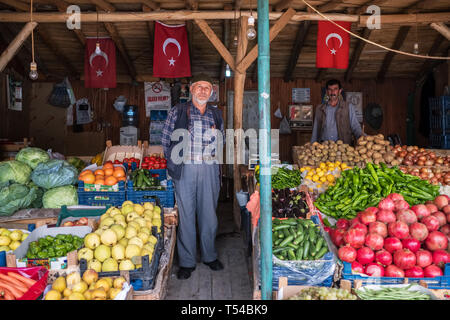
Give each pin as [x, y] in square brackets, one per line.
[319, 244]
[299, 253]
[321, 253]
[306, 250]
[312, 234]
[286, 241]
[291, 254]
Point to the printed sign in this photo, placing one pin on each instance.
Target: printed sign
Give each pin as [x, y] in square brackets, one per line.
[157, 96]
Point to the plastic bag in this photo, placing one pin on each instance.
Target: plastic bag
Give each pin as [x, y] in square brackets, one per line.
[55, 155]
[54, 173]
[60, 96]
[284, 126]
[15, 196]
[39, 274]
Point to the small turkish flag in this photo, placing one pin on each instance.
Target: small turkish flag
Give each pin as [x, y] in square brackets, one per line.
[100, 63]
[333, 45]
[171, 51]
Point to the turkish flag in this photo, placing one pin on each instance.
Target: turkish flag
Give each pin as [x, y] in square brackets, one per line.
[100, 64]
[333, 45]
[171, 51]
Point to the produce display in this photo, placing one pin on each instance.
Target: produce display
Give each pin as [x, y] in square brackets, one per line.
[323, 176]
[323, 293]
[13, 285]
[358, 189]
[155, 161]
[282, 177]
[32, 156]
[129, 162]
[88, 287]
[122, 234]
[413, 155]
[52, 247]
[396, 239]
[74, 223]
[143, 180]
[376, 149]
[392, 293]
[11, 239]
[98, 159]
[433, 175]
[297, 239]
[288, 203]
[108, 175]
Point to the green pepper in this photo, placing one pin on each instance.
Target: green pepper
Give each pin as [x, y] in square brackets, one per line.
[42, 242]
[42, 254]
[30, 255]
[57, 241]
[51, 253]
[60, 247]
[60, 253]
[60, 236]
[68, 247]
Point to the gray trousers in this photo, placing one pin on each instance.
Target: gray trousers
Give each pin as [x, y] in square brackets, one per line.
[197, 193]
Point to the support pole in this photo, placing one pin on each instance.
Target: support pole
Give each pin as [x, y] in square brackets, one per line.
[265, 149]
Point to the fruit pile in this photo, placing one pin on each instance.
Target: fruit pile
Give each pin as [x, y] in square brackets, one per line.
[323, 176]
[79, 222]
[88, 287]
[396, 240]
[155, 161]
[129, 162]
[11, 239]
[107, 175]
[122, 234]
[434, 175]
[52, 247]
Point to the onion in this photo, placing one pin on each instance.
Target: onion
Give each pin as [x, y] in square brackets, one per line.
[429, 163]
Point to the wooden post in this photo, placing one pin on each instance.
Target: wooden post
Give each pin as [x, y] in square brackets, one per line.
[239, 83]
[15, 45]
[441, 28]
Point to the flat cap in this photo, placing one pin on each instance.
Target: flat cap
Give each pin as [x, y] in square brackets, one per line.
[201, 77]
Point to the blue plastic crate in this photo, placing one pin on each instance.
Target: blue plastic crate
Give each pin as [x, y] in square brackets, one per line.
[101, 198]
[161, 174]
[440, 141]
[439, 115]
[442, 282]
[166, 197]
[2, 258]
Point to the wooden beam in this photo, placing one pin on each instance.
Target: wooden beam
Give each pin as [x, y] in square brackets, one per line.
[210, 34]
[16, 62]
[283, 4]
[274, 31]
[295, 53]
[357, 53]
[191, 4]
[15, 45]
[150, 27]
[104, 5]
[398, 42]
[331, 6]
[226, 27]
[442, 29]
[151, 4]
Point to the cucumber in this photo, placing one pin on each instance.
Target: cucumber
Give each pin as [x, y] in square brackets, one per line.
[306, 250]
[291, 254]
[292, 245]
[312, 234]
[312, 249]
[321, 253]
[299, 253]
[279, 250]
[319, 244]
[286, 241]
[299, 229]
[286, 232]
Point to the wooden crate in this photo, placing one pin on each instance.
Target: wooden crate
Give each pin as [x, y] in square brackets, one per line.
[165, 265]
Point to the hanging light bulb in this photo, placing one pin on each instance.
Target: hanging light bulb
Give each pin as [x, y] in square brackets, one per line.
[227, 71]
[251, 32]
[33, 71]
[97, 48]
[33, 66]
[416, 48]
[235, 40]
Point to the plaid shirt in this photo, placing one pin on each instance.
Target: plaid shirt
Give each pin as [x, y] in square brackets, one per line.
[198, 124]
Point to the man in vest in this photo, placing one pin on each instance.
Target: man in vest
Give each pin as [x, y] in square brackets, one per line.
[336, 119]
[195, 172]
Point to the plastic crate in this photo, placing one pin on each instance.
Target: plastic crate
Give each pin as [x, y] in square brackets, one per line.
[442, 282]
[78, 213]
[439, 115]
[166, 197]
[161, 174]
[440, 141]
[101, 198]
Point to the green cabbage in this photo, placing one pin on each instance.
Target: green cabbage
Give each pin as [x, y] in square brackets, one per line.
[14, 197]
[32, 156]
[57, 197]
[15, 171]
[54, 173]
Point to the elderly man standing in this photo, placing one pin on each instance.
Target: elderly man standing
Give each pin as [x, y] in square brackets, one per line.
[196, 179]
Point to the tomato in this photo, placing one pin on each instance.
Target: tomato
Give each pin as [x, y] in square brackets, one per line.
[163, 160]
[152, 158]
[163, 166]
[146, 159]
[156, 166]
[144, 166]
[117, 162]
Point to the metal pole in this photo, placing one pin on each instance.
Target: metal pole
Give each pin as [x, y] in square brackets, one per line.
[265, 149]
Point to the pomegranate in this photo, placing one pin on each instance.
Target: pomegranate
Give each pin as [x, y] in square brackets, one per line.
[445, 229]
[343, 224]
[441, 201]
[367, 217]
[418, 231]
[404, 259]
[372, 209]
[440, 258]
[347, 253]
[407, 216]
[421, 211]
[432, 271]
[386, 204]
[357, 267]
[431, 222]
[355, 238]
[398, 229]
[424, 258]
[448, 216]
[414, 272]
[374, 241]
[365, 255]
[359, 226]
[383, 257]
[386, 216]
[395, 197]
[394, 271]
[431, 207]
[378, 227]
[374, 270]
[401, 205]
[441, 217]
[354, 221]
[446, 210]
[337, 237]
[436, 240]
[411, 244]
[392, 244]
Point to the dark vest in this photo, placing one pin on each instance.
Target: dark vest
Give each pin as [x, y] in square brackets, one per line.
[182, 122]
[342, 121]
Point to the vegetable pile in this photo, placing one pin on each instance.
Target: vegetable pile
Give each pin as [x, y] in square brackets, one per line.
[433, 175]
[391, 293]
[322, 177]
[413, 155]
[358, 189]
[289, 204]
[282, 177]
[13, 285]
[396, 240]
[323, 293]
[51, 247]
[297, 239]
[143, 180]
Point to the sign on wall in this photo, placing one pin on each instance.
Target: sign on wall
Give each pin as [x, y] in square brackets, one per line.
[157, 96]
[14, 93]
[301, 95]
[355, 99]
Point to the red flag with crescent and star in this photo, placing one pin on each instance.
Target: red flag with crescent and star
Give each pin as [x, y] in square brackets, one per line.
[100, 63]
[333, 45]
[171, 51]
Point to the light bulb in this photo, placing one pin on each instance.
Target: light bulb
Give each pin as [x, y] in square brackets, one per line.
[97, 48]
[227, 71]
[416, 48]
[33, 71]
[235, 41]
[251, 32]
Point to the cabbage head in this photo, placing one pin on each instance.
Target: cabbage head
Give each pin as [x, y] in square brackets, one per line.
[57, 197]
[54, 173]
[14, 171]
[32, 156]
[15, 196]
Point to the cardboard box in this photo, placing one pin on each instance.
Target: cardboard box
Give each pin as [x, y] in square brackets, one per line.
[120, 152]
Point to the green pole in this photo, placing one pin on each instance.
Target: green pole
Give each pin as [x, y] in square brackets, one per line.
[265, 150]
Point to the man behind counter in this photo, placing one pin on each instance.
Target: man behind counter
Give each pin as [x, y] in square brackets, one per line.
[336, 119]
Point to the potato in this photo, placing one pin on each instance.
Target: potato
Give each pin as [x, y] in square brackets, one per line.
[369, 138]
[339, 142]
[388, 158]
[362, 150]
[377, 161]
[377, 147]
[395, 162]
[380, 136]
[369, 145]
[377, 155]
[379, 142]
